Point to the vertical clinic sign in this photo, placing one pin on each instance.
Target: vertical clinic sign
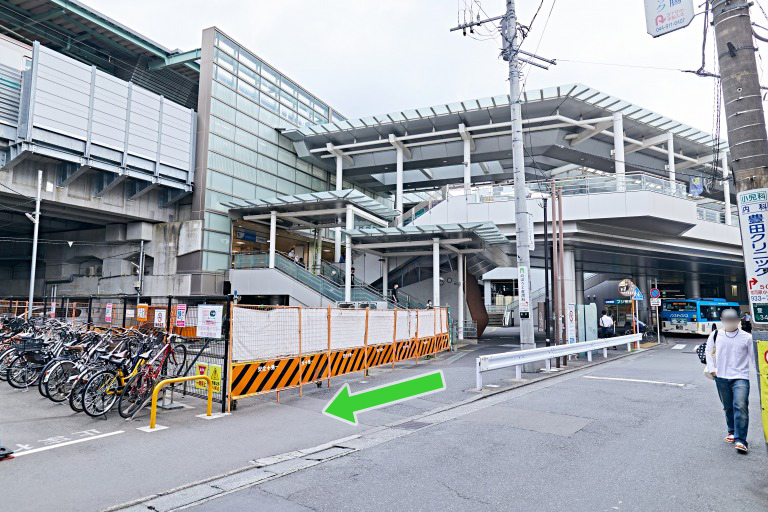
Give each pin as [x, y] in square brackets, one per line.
[524, 292]
[753, 214]
[181, 315]
[665, 16]
[570, 323]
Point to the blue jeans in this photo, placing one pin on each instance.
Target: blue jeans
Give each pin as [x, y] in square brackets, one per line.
[734, 394]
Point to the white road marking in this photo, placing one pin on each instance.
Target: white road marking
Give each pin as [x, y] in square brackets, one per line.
[492, 386]
[636, 380]
[679, 346]
[455, 357]
[510, 345]
[42, 449]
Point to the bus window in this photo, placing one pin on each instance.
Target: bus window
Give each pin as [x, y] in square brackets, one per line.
[679, 306]
[713, 312]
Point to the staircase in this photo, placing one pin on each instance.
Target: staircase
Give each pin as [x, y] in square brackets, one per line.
[331, 288]
[336, 273]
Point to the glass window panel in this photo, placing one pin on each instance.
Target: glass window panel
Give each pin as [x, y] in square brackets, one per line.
[249, 60]
[270, 74]
[306, 98]
[285, 187]
[305, 110]
[321, 109]
[224, 93]
[267, 148]
[268, 133]
[288, 87]
[246, 139]
[318, 119]
[247, 122]
[302, 190]
[248, 90]
[268, 164]
[249, 76]
[336, 117]
[267, 180]
[320, 173]
[303, 179]
[217, 222]
[286, 157]
[219, 181]
[264, 193]
[319, 185]
[214, 199]
[288, 100]
[269, 102]
[244, 189]
[223, 110]
[216, 241]
[289, 115]
[302, 165]
[289, 173]
[221, 145]
[215, 262]
[246, 155]
[226, 44]
[269, 118]
[285, 143]
[222, 128]
[225, 77]
[225, 61]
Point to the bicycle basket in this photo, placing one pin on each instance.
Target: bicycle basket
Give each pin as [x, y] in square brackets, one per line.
[31, 345]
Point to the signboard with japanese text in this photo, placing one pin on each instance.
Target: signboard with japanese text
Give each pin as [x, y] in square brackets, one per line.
[531, 235]
[209, 320]
[201, 369]
[142, 311]
[753, 216]
[160, 318]
[655, 302]
[665, 16]
[524, 288]
[627, 287]
[108, 313]
[181, 315]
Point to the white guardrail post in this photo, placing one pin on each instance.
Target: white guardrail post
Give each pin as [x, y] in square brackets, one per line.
[520, 357]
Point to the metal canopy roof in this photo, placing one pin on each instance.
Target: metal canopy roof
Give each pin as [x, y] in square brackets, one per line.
[296, 204]
[486, 232]
[573, 100]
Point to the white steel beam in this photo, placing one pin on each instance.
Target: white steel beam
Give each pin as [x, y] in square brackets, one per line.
[647, 143]
[588, 133]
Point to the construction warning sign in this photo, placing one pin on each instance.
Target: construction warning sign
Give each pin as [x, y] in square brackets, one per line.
[214, 372]
[201, 369]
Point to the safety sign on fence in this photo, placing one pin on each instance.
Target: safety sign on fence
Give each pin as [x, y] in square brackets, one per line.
[108, 313]
[209, 320]
[142, 312]
[201, 369]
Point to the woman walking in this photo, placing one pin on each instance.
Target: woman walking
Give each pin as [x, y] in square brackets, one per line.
[730, 352]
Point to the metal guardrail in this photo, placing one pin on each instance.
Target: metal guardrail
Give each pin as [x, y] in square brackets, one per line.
[520, 357]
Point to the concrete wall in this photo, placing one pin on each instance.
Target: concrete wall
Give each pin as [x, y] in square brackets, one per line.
[269, 281]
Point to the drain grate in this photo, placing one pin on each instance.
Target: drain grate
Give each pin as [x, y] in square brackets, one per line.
[412, 425]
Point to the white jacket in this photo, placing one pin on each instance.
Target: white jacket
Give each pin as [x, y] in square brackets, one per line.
[731, 354]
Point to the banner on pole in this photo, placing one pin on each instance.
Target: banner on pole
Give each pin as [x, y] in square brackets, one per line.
[753, 214]
[524, 292]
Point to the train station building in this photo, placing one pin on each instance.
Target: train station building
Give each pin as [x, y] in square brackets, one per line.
[224, 175]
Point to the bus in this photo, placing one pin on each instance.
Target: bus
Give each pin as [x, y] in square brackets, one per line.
[693, 316]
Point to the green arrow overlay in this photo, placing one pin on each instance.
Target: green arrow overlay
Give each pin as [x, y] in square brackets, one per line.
[345, 407]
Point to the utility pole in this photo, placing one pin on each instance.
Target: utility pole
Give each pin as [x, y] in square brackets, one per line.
[740, 80]
[36, 221]
[511, 53]
[546, 275]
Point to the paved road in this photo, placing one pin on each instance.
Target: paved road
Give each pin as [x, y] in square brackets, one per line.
[580, 442]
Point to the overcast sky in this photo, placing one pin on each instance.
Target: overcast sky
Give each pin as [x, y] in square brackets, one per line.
[368, 57]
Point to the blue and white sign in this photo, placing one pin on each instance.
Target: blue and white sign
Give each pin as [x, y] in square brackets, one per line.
[638, 295]
[655, 293]
[753, 217]
[665, 16]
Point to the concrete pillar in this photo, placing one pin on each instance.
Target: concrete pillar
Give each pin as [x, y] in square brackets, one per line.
[692, 286]
[272, 237]
[618, 150]
[467, 166]
[348, 257]
[579, 282]
[436, 272]
[385, 277]
[671, 161]
[487, 285]
[726, 188]
[460, 302]
[643, 305]
[337, 233]
[399, 185]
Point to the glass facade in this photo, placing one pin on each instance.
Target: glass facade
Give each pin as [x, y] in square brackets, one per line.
[247, 157]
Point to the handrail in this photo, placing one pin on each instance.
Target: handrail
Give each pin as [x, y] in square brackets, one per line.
[520, 357]
[153, 407]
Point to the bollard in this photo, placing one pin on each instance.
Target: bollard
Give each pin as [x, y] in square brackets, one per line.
[153, 409]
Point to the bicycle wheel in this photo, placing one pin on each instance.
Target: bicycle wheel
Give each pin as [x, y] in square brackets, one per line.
[100, 393]
[21, 372]
[44, 376]
[58, 382]
[135, 395]
[76, 392]
[650, 337]
[174, 365]
[6, 356]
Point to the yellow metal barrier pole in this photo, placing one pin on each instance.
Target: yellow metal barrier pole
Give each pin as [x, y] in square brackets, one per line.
[153, 408]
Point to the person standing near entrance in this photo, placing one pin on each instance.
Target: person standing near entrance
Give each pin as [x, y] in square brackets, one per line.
[394, 293]
[606, 325]
[730, 352]
[746, 322]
